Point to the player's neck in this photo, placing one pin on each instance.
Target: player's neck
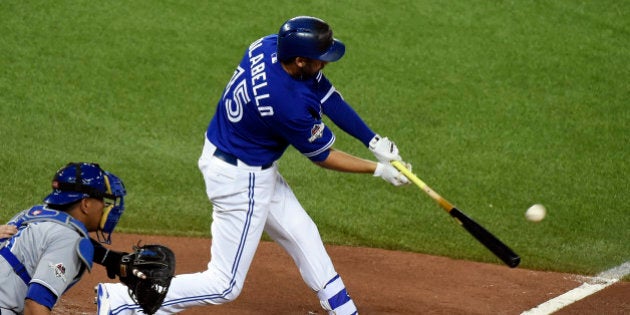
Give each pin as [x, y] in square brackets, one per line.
[291, 68]
[298, 70]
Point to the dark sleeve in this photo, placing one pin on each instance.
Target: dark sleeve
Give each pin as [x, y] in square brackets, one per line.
[108, 258]
[346, 118]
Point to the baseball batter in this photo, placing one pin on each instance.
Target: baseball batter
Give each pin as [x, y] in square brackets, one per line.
[46, 249]
[276, 97]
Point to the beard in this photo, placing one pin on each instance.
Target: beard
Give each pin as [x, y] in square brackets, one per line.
[305, 74]
[309, 71]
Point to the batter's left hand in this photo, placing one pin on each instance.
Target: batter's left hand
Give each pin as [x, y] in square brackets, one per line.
[384, 149]
[7, 231]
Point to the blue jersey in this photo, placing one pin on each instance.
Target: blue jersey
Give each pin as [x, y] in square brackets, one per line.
[263, 110]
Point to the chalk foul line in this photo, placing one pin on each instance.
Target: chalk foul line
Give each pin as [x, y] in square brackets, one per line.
[593, 285]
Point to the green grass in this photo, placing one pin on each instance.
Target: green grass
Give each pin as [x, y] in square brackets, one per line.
[498, 105]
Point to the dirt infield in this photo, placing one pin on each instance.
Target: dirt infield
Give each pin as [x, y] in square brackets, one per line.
[380, 282]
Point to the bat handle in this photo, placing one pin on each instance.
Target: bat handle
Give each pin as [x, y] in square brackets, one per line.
[424, 187]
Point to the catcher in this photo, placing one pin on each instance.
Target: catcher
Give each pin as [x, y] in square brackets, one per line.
[46, 249]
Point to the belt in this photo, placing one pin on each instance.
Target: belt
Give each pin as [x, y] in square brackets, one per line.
[232, 159]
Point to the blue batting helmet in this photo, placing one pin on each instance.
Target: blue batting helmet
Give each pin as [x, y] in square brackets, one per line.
[76, 181]
[308, 37]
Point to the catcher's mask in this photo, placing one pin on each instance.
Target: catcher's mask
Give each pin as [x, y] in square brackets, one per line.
[309, 37]
[76, 181]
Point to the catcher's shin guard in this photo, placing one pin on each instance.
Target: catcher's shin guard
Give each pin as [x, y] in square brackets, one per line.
[335, 299]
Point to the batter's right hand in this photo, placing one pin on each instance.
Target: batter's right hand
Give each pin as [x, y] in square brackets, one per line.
[391, 174]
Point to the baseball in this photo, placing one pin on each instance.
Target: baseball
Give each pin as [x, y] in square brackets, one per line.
[536, 213]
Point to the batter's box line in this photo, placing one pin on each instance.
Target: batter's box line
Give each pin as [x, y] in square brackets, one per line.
[591, 286]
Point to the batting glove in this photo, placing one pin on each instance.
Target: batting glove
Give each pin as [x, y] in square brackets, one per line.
[384, 149]
[391, 174]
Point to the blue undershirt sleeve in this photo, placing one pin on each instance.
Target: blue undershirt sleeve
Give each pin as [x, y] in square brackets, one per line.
[347, 119]
[41, 295]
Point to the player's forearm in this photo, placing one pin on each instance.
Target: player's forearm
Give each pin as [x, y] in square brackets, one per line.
[33, 308]
[108, 258]
[344, 162]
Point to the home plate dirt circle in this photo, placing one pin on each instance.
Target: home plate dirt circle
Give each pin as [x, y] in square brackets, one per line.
[380, 282]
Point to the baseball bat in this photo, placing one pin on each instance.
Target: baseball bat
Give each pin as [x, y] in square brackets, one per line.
[491, 242]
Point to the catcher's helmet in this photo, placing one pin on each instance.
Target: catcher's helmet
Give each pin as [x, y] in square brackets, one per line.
[76, 181]
[308, 37]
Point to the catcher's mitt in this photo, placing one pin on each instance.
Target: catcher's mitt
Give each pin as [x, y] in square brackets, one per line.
[147, 272]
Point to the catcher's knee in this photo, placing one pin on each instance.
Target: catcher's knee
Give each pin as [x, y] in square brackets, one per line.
[335, 299]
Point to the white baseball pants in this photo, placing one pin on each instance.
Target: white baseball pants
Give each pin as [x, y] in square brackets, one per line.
[246, 201]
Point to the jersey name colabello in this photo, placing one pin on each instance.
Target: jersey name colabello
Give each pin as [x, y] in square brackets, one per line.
[240, 96]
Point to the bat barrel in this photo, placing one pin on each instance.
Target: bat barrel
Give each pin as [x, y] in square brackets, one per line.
[487, 239]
